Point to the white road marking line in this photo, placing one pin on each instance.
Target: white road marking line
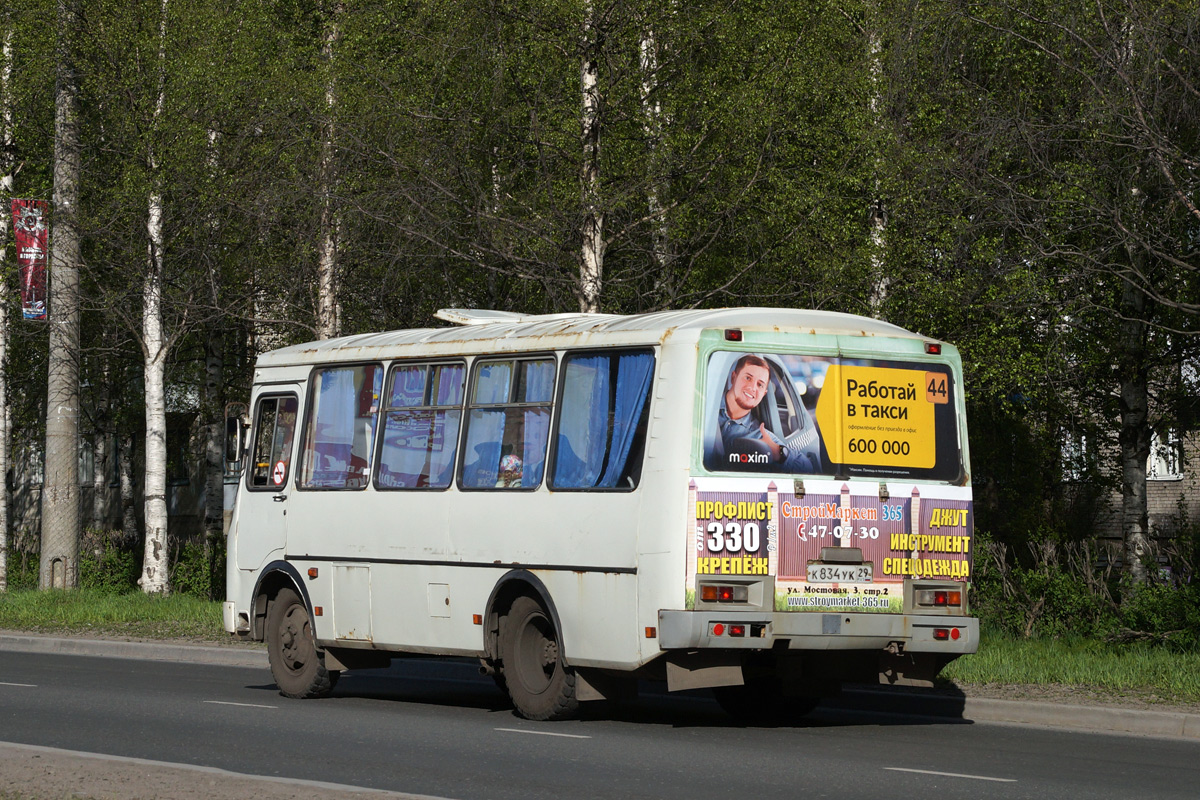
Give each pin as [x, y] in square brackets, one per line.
[544, 733]
[26, 685]
[952, 775]
[241, 705]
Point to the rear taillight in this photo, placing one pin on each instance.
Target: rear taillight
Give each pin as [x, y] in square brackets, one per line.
[939, 597]
[713, 593]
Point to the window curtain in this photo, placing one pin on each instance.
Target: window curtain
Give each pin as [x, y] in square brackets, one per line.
[633, 388]
[582, 433]
[485, 432]
[492, 385]
[537, 432]
[539, 382]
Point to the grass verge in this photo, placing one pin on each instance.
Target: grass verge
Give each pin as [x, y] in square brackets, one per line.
[84, 612]
[1136, 668]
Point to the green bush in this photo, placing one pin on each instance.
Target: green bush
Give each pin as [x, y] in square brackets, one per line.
[22, 570]
[114, 570]
[1160, 613]
[193, 573]
[1039, 601]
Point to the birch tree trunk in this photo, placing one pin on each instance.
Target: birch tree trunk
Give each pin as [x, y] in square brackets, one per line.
[591, 269]
[328, 311]
[877, 214]
[154, 560]
[6, 190]
[1134, 437]
[129, 522]
[59, 567]
[652, 125]
[101, 455]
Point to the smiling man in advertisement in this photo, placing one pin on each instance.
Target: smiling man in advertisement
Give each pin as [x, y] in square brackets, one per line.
[745, 420]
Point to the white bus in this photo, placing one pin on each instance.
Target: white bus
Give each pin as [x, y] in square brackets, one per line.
[768, 502]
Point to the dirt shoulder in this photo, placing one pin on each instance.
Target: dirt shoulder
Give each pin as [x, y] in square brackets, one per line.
[38, 773]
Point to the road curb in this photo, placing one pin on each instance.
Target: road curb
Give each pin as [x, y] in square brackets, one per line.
[1108, 719]
[1174, 724]
[150, 651]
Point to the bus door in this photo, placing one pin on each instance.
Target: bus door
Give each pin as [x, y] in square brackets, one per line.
[263, 506]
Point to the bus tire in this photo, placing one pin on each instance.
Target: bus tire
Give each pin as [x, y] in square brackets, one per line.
[297, 664]
[761, 701]
[541, 686]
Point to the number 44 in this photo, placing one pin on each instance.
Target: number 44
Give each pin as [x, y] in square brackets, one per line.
[935, 388]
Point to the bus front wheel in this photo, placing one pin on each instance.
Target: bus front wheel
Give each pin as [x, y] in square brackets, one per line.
[296, 664]
[541, 686]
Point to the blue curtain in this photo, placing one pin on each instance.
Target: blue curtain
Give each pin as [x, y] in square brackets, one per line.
[408, 387]
[492, 383]
[539, 382]
[582, 434]
[633, 389]
[584, 439]
[481, 459]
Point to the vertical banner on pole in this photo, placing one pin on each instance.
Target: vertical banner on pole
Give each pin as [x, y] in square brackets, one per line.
[31, 234]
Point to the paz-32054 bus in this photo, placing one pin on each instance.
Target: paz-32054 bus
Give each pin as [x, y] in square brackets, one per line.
[768, 502]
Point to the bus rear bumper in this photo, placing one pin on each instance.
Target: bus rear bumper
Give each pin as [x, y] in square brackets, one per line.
[751, 630]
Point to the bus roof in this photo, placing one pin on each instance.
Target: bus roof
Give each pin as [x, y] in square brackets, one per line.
[504, 330]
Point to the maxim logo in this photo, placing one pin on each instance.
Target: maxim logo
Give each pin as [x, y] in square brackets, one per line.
[748, 458]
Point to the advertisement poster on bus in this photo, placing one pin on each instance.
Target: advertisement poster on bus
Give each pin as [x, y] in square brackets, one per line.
[830, 545]
[829, 415]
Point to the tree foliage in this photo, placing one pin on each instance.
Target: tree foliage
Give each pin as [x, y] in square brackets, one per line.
[1032, 168]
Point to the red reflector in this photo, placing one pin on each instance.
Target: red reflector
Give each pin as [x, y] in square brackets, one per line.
[737, 630]
[718, 629]
[733, 335]
[941, 634]
[933, 348]
[954, 634]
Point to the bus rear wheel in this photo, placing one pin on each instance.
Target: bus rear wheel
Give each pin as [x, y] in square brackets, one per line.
[297, 665]
[541, 686]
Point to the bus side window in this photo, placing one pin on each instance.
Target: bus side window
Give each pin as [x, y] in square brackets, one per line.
[508, 424]
[422, 412]
[271, 455]
[339, 433]
[602, 420]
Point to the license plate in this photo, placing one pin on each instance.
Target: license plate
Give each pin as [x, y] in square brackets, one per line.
[840, 573]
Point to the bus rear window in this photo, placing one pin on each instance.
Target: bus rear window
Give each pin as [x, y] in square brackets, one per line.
[820, 415]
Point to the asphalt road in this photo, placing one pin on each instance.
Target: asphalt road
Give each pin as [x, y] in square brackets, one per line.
[437, 728]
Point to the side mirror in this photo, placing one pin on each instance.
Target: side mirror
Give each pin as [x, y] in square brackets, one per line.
[236, 429]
